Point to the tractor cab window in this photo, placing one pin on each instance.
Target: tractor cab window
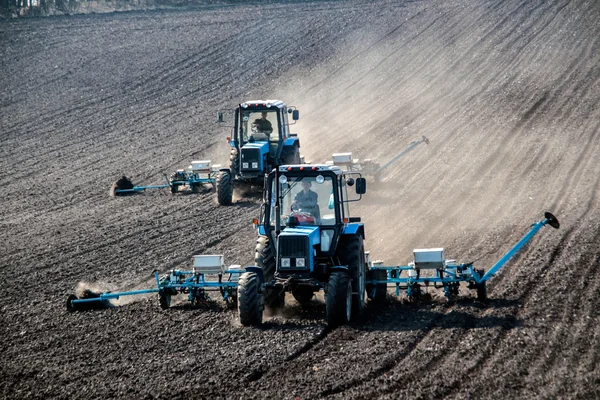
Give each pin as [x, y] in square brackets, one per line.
[303, 201]
[259, 126]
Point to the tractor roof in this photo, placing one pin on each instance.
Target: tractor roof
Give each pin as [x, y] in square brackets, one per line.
[263, 103]
[311, 167]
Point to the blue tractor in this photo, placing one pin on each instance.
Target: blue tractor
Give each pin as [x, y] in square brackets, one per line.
[261, 141]
[307, 242]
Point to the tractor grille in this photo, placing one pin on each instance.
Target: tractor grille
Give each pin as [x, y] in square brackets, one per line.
[293, 248]
[250, 157]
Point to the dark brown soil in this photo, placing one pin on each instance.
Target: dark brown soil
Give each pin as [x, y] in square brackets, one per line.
[507, 91]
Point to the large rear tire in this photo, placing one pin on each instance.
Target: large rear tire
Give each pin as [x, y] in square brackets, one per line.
[338, 299]
[224, 183]
[351, 253]
[290, 155]
[250, 300]
[264, 257]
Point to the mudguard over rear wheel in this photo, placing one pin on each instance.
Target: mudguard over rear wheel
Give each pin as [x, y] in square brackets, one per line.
[338, 299]
[250, 300]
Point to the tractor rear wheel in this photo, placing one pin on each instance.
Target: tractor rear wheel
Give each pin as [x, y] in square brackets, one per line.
[264, 257]
[290, 155]
[377, 292]
[338, 299]
[224, 187]
[351, 253]
[250, 300]
[303, 295]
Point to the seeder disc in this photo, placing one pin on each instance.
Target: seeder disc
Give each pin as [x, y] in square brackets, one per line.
[552, 220]
[124, 183]
[70, 305]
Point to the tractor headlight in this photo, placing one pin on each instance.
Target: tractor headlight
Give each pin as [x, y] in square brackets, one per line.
[285, 262]
[300, 262]
[254, 165]
[245, 165]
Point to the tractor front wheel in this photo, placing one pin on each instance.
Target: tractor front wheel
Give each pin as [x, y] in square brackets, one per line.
[250, 300]
[338, 299]
[224, 187]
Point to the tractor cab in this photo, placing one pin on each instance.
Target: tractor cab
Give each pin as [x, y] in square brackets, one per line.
[261, 141]
[261, 137]
[306, 212]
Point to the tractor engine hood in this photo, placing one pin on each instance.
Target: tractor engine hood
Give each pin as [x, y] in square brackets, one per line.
[252, 155]
[295, 248]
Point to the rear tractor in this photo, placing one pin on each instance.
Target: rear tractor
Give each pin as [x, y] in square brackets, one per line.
[261, 141]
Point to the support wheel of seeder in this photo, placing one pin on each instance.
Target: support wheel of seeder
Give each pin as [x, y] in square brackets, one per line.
[481, 287]
[338, 299]
[164, 300]
[377, 292]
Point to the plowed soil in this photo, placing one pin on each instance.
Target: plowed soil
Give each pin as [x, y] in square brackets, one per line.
[507, 91]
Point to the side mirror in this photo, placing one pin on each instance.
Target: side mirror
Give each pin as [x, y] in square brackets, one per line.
[220, 116]
[295, 115]
[361, 186]
[350, 181]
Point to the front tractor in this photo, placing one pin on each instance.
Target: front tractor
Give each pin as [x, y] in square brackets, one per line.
[261, 141]
[307, 242]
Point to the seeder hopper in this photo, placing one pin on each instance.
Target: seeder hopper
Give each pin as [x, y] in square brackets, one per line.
[200, 175]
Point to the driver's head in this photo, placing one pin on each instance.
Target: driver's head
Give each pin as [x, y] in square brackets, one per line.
[306, 185]
[264, 115]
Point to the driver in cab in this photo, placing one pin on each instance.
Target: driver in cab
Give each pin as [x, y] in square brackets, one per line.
[261, 128]
[306, 201]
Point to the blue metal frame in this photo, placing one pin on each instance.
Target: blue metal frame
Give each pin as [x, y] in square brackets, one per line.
[454, 273]
[193, 178]
[185, 282]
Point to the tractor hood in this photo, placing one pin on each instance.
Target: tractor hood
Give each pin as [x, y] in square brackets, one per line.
[313, 233]
[295, 249]
[262, 145]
